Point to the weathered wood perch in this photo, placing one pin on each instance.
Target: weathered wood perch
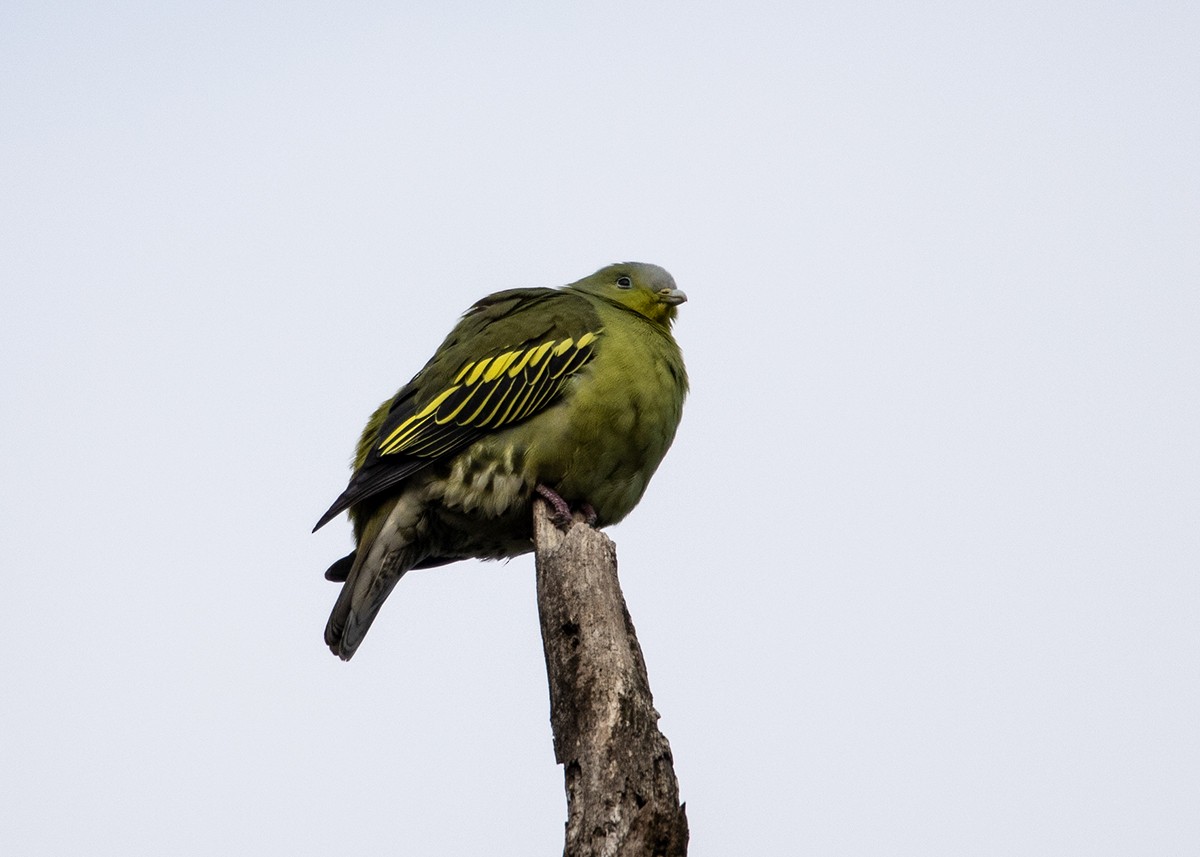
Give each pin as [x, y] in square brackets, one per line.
[622, 795]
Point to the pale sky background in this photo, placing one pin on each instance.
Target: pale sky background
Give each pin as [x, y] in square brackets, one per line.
[920, 575]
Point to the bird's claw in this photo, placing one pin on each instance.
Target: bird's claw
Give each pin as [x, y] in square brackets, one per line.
[560, 513]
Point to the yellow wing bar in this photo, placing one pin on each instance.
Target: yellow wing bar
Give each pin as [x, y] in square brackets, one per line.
[489, 394]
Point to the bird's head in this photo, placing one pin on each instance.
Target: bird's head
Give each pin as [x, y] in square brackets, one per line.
[646, 289]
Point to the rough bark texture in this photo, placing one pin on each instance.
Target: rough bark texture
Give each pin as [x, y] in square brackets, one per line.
[622, 795]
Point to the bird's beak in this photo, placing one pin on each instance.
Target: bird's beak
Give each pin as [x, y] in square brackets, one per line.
[674, 297]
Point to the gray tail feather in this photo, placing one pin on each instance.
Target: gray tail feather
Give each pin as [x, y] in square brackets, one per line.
[363, 593]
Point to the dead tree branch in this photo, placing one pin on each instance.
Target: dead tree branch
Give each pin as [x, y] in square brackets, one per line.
[622, 795]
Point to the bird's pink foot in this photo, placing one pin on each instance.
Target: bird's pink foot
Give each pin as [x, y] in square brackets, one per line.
[561, 516]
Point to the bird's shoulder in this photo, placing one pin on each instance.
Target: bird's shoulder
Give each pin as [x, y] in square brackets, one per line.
[514, 346]
[503, 322]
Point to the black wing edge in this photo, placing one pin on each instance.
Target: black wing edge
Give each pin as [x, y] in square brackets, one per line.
[371, 481]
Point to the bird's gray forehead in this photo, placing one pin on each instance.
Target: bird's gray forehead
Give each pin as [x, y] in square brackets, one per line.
[654, 274]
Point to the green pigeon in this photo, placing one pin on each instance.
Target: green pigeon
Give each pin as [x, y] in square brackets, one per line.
[573, 394]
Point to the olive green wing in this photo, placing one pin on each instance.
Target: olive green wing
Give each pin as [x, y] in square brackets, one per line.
[505, 361]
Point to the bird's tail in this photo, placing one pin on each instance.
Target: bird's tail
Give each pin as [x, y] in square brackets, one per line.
[378, 565]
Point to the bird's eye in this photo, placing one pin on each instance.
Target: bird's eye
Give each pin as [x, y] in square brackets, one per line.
[624, 283]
